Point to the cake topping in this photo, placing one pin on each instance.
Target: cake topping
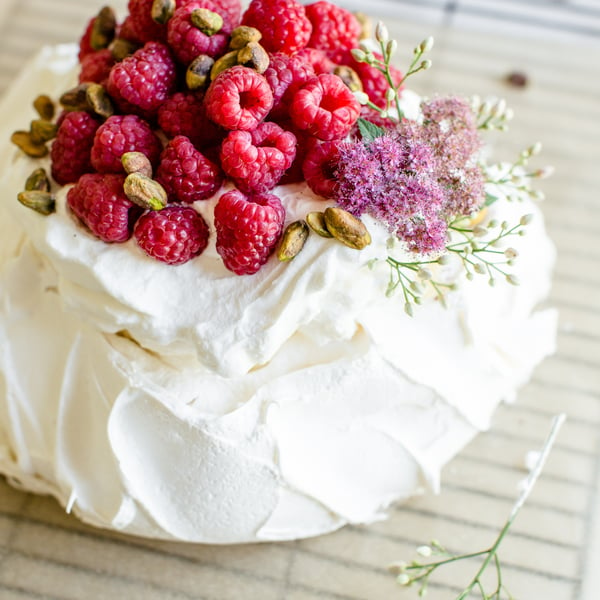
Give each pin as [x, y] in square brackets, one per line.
[44, 107]
[292, 241]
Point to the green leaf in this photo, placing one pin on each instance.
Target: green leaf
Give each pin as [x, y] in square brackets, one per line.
[489, 199]
[369, 131]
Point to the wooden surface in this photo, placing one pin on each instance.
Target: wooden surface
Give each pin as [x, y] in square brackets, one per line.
[552, 552]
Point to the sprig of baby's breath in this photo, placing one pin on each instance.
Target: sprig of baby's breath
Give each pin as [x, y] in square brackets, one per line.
[387, 49]
[420, 573]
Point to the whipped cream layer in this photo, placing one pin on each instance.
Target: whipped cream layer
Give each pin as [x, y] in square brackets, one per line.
[190, 403]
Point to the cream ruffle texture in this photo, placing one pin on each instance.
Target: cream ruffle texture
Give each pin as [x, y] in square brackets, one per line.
[189, 403]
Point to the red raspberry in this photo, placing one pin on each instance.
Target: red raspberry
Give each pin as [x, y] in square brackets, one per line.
[285, 75]
[184, 113]
[101, 204]
[303, 141]
[185, 173]
[172, 235]
[127, 31]
[256, 160]
[96, 66]
[319, 168]
[187, 41]
[120, 134]
[325, 108]
[239, 98]
[374, 82]
[141, 82]
[248, 229]
[283, 24]
[230, 10]
[334, 29]
[85, 43]
[70, 152]
[141, 27]
[318, 59]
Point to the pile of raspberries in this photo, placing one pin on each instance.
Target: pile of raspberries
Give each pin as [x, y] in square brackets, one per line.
[207, 99]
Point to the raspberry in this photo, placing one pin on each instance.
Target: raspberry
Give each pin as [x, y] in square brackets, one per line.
[231, 11]
[184, 113]
[319, 168]
[325, 108]
[185, 173]
[334, 29]
[96, 66]
[283, 24]
[248, 229]
[239, 98]
[318, 59]
[70, 152]
[256, 160]
[374, 82]
[100, 203]
[285, 75]
[120, 134]
[187, 41]
[172, 235]
[85, 43]
[141, 28]
[141, 82]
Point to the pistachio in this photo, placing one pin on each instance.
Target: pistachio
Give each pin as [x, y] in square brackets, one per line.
[225, 62]
[162, 10]
[346, 228]
[293, 240]
[254, 56]
[38, 200]
[350, 77]
[103, 29]
[136, 162]
[23, 140]
[197, 74]
[99, 101]
[207, 21]
[42, 131]
[120, 48]
[75, 98]
[316, 221]
[243, 35]
[44, 107]
[145, 192]
[38, 181]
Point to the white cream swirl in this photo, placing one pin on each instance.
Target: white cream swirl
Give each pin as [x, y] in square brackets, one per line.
[272, 406]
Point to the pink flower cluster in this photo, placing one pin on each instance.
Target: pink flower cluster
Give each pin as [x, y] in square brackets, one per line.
[416, 176]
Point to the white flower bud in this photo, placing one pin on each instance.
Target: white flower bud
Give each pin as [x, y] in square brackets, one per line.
[475, 103]
[512, 279]
[390, 94]
[511, 253]
[381, 33]
[363, 99]
[403, 579]
[408, 309]
[492, 282]
[479, 268]
[426, 64]
[424, 274]
[391, 47]
[424, 551]
[358, 55]
[499, 108]
[426, 45]
[444, 259]
[526, 219]
[479, 231]
[537, 195]
[470, 276]
[535, 149]
[384, 114]
[509, 114]
[544, 172]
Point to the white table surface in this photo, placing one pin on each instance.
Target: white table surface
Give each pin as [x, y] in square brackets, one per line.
[553, 551]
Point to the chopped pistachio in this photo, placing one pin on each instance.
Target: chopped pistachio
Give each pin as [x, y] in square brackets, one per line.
[103, 29]
[23, 140]
[207, 21]
[198, 73]
[38, 181]
[42, 131]
[350, 77]
[145, 192]
[99, 100]
[254, 56]
[75, 98]
[316, 221]
[292, 241]
[162, 10]
[44, 107]
[136, 162]
[225, 62]
[346, 228]
[121, 48]
[38, 200]
[243, 35]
